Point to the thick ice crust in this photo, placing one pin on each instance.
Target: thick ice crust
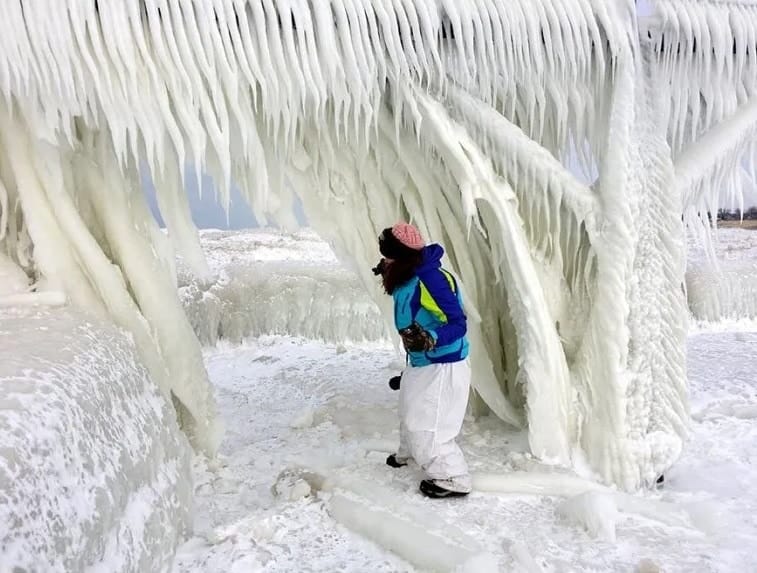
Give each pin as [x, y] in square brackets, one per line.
[94, 472]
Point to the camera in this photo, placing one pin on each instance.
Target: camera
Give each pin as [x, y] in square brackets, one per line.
[380, 268]
[411, 331]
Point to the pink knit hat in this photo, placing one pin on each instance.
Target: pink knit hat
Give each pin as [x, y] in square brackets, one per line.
[408, 235]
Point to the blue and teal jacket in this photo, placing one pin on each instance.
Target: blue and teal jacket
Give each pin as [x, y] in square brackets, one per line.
[433, 300]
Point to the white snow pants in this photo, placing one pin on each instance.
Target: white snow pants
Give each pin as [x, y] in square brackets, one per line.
[433, 400]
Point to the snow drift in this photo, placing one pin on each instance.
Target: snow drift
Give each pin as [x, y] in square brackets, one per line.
[460, 115]
[94, 472]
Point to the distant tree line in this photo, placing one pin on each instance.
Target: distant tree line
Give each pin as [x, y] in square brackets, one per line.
[727, 215]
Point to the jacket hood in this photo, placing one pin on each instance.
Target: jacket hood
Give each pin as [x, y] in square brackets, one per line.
[431, 258]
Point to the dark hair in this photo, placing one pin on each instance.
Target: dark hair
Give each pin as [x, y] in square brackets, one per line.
[399, 271]
[392, 248]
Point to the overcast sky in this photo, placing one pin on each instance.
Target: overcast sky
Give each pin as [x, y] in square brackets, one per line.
[206, 210]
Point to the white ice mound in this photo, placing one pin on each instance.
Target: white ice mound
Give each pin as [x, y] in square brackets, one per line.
[94, 472]
[271, 282]
[724, 287]
[595, 511]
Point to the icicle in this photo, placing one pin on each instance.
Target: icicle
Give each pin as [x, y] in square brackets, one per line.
[186, 110]
[3, 210]
[723, 143]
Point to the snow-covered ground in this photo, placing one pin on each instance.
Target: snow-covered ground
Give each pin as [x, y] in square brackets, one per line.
[309, 424]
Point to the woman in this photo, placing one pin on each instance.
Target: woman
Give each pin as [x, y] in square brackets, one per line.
[429, 316]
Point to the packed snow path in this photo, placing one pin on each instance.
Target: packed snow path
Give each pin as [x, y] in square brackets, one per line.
[329, 408]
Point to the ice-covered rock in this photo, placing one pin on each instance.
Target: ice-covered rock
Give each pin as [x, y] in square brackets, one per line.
[94, 472]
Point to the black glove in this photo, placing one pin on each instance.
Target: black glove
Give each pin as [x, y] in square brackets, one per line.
[394, 382]
[415, 339]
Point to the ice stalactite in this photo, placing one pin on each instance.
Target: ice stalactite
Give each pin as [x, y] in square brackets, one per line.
[492, 200]
[463, 116]
[706, 53]
[3, 211]
[90, 227]
[711, 166]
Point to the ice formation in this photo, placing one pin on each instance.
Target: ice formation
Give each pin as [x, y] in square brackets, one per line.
[94, 471]
[426, 540]
[461, 115]
[276, 283]
[723, 286]
[706, 50]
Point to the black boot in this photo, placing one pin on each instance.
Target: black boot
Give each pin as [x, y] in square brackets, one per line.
[435, 491]
[393, 462]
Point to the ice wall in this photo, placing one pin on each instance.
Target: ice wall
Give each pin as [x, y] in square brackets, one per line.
[94, 472]
[723, 284]
[274, 282]
[458, 115]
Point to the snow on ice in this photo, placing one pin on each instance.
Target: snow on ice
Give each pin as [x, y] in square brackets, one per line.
[723, 284]
[94, 472]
